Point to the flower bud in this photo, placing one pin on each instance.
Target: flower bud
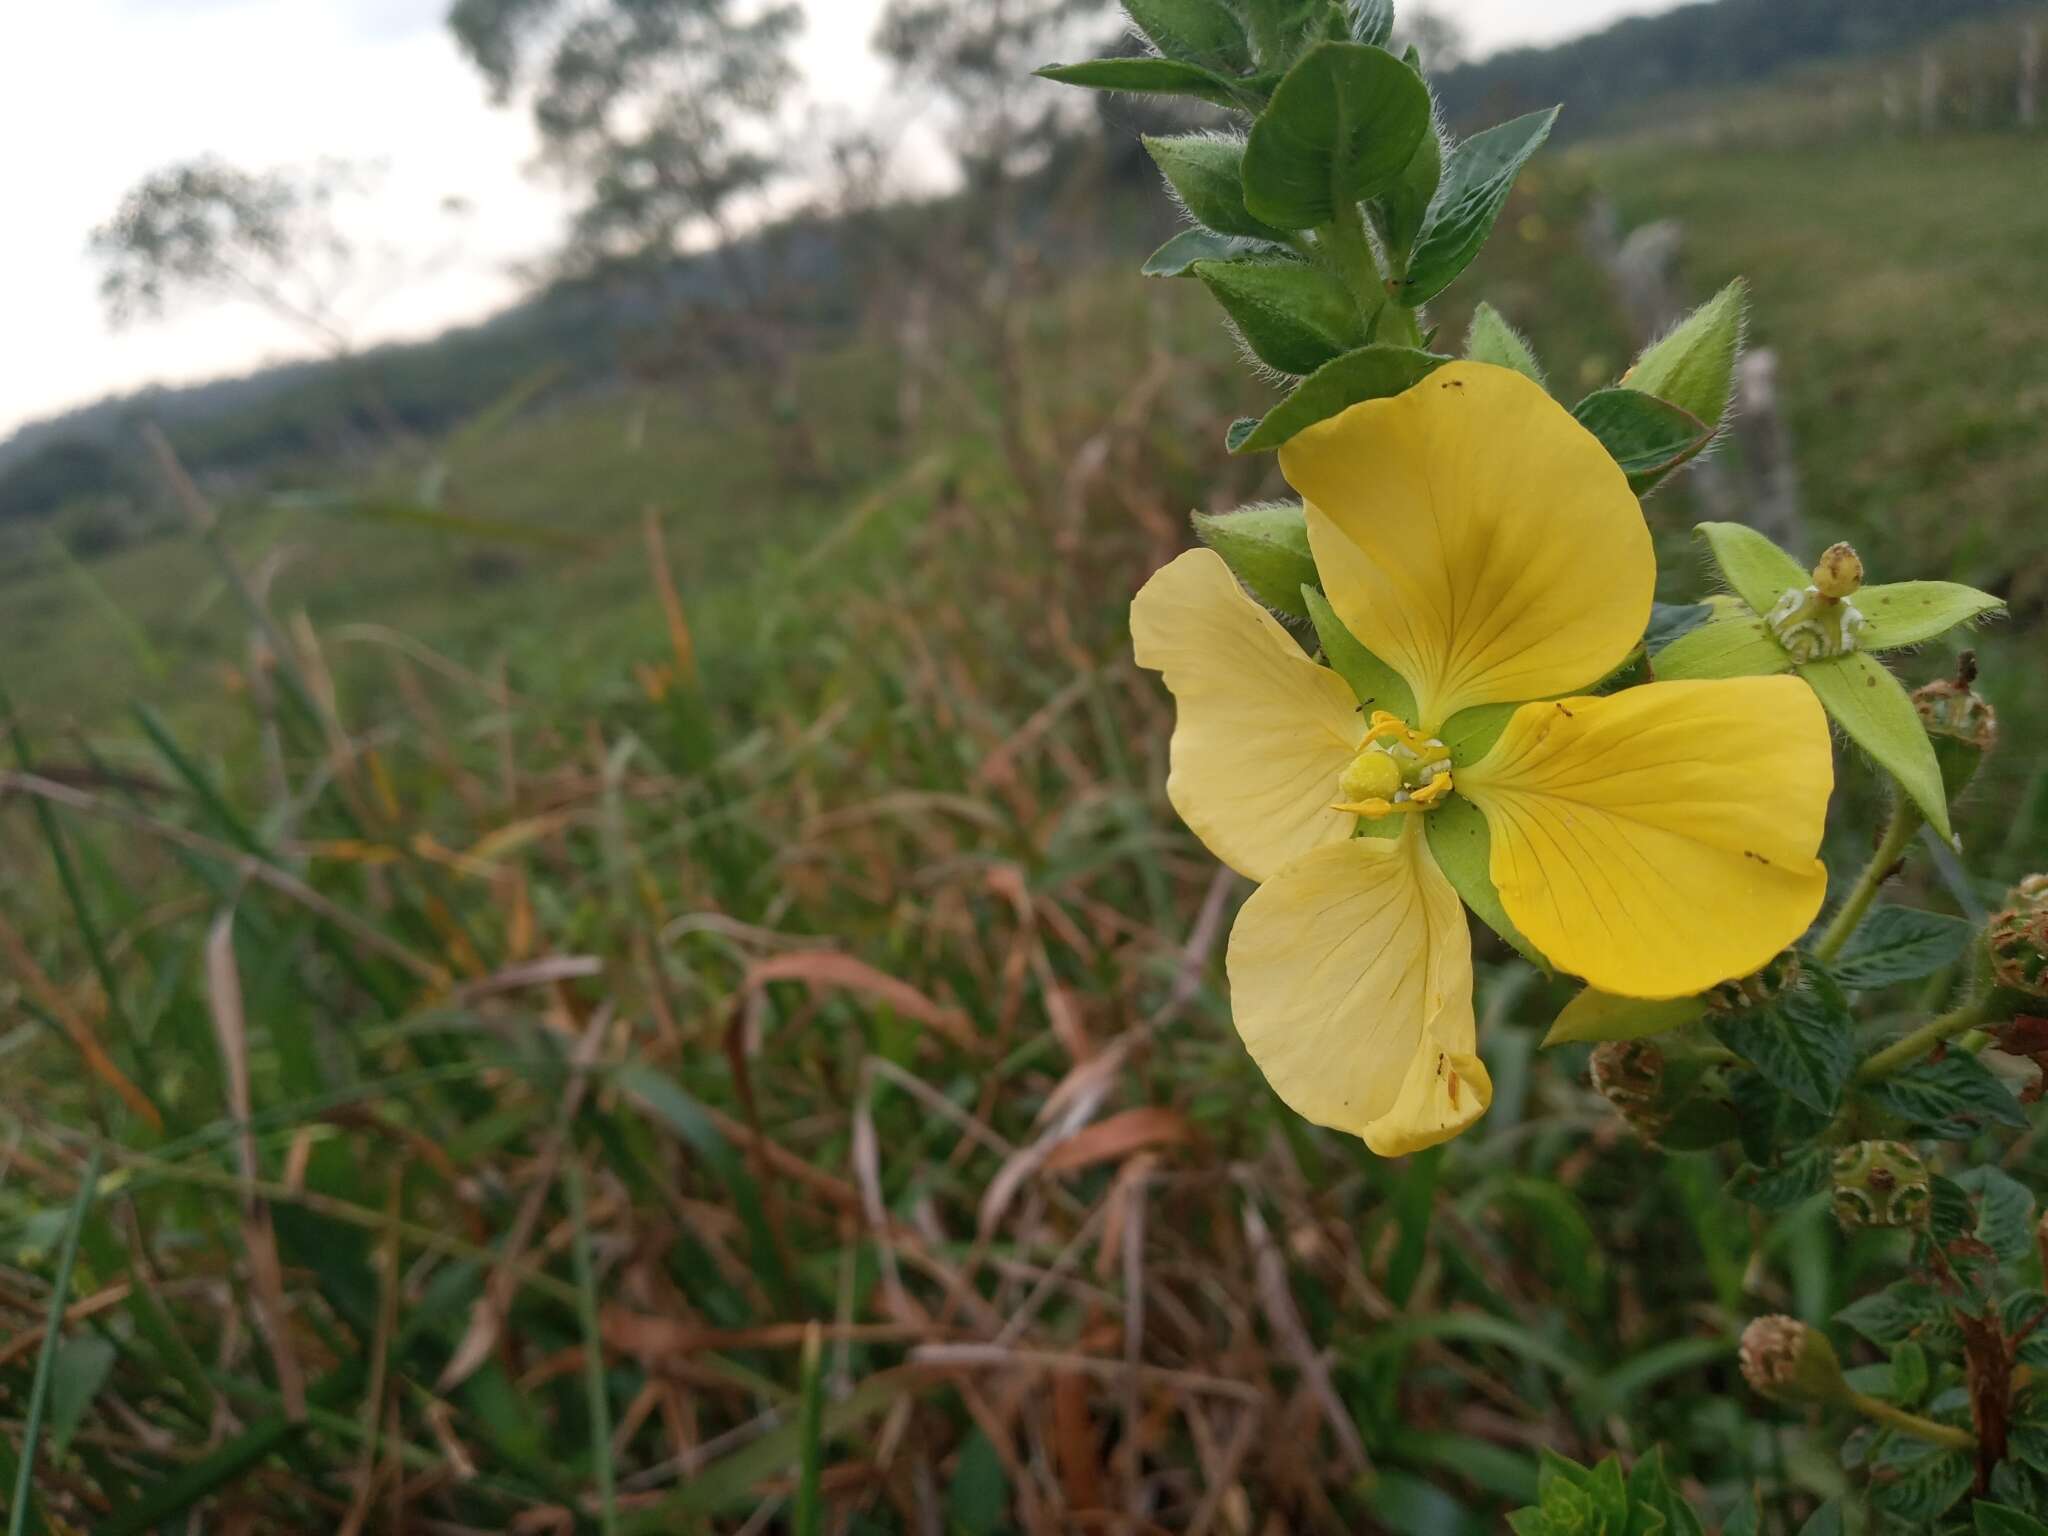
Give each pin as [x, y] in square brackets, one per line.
[1839, 573]
[2018, 938]
[1746, 992]
[1788, 1362]
[1666, 1089]
[1960, 722]
[1880, 1184]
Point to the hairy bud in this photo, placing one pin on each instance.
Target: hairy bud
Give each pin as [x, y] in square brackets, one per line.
[1746, 992]
[2018, 938]
[1961, 723]
[1670, 1093]
[1788, 1362]
[1880, 1184]
[1839, 573]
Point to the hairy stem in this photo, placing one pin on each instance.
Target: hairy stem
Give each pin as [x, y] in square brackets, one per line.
[1911, 1047]
[1895, 1417]
[1349, 250]
[1891, 852]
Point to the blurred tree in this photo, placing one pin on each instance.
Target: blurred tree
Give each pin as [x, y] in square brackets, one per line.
[203, 228]
[663, 112]
[1436, 36]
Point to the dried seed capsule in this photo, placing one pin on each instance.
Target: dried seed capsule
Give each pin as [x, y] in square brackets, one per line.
[2018, 938]
[1961, 723]
[1746, 992]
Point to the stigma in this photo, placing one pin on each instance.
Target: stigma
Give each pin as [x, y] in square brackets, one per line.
[1397, 771]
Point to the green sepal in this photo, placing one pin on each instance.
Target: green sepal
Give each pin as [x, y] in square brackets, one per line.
[1293, 316]
[1463, 846]
[1477, 178]
[1757, 571]
[1370, 373]
[1148, 77]
[1647, 437]
[1471, 733]
[1595, 1015]
[1198, 31]
[1377, 685]
[1266, 548]
[1372, 21]
[1693, 367]
[1178, 256]
[1733, 642]
[1912, 612]
[1206, 173]
[1490, 339]
[1340, 128]
[1874, 711]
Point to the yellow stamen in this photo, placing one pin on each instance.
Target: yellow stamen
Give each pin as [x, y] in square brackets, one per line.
[1397, 769]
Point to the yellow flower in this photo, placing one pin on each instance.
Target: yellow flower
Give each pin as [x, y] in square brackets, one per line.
[1482, 545]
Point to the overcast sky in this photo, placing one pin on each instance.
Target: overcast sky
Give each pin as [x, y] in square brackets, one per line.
[94, 94]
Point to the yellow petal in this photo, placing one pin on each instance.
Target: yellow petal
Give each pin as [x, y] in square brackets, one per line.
[1661, 840]
[1351, 982]
[1261, 734]
[1476, 539]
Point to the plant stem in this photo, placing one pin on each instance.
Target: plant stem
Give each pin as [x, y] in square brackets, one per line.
[1911, 1047]
[1349, 250]
[1891, 851]
[1895, 1417]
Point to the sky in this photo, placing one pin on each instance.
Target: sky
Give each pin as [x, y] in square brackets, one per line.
[95, 94]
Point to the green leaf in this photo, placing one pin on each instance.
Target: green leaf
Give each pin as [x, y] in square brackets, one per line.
[1463, 847]
[1744, 1518]
[980, 1493]
[1372, 21]
[1694, 366]
[1649, 1486]
[1874, 711]
[2005, 1210]
[1783, 1184]
[1951, 1099]
[1340, 128]
[1825, 1521]
[1295, 317]
[1647, 437]
[1370, 373]
[1490, 339]
[1266, 548]
[1896, 944]
[1476, 181]
[1913, 612]
[2004, 1520]
[1174, 258]
[1925, 1487]
[1198, 31]
[1910, 1373]
[1757, 570]
[1609, 1493]
[1733, 642]
[1804, 1042]
[1889, 1316]
[1596, 1015]
[1206, 173]
[1147, 77]
[78, 1373]
[1377, 685]
[1400, 211]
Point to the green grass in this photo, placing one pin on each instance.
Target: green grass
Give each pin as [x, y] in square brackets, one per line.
[591, 1004]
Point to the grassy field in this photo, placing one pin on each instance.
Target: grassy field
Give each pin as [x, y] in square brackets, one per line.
[472, 1044]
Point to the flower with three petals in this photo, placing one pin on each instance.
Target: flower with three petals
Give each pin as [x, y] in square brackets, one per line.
[1487, 552]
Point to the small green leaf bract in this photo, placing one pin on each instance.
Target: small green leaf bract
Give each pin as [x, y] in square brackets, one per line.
[1476, 181]
[1341, 126]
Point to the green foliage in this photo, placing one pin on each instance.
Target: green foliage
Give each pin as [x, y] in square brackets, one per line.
[1340, 128]
[1266, 547]
[1871, 707]
[1693, 367]
[1647, 437]
[1593, 1016]
[1377, 685]
[1903, 613]
[1204, 32]
[1897, 944]
[1599, 1501]
[1370, 373]
[1293, 316]
[1477, 177]
[1490, 339]
[1206, 173]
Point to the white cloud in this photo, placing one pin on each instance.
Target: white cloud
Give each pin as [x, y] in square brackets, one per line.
[94, 94]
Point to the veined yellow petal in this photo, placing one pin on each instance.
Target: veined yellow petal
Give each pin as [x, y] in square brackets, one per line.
[1476, 538]
[1351, 981]
[1261, 733]
[1662, 839]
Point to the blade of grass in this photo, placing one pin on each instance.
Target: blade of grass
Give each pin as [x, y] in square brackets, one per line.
[810, 1511]
[593, 1353]
[53, 1336]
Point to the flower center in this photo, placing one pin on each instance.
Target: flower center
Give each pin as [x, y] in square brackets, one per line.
[1397, 769]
